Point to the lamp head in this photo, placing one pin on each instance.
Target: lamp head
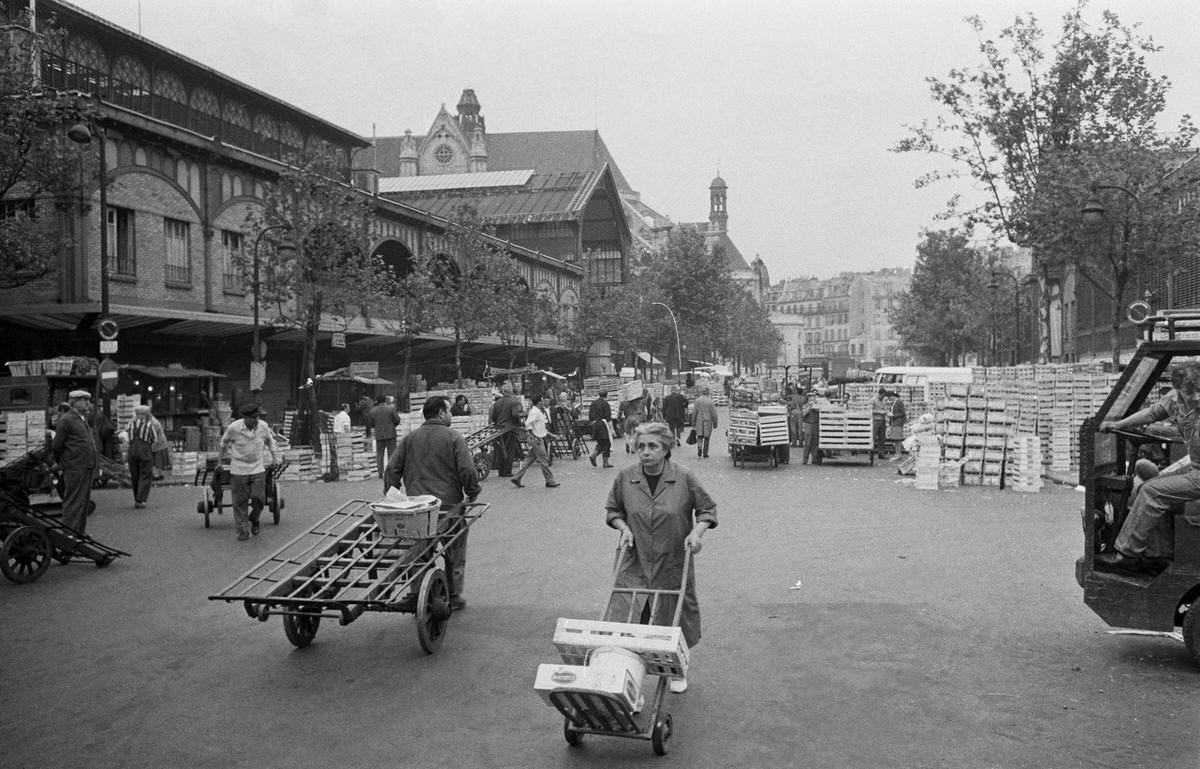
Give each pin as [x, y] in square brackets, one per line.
[80, 133]
[1093, 212]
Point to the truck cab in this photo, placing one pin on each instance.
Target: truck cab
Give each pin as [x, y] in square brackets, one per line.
[1112, 468]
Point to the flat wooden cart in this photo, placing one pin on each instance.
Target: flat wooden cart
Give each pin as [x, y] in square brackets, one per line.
[480, 442]
[759, 435]
[344, 565]
[624, 711]
[33, 537]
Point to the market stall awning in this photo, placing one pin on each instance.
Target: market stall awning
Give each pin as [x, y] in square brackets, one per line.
[648, 358]
[342, 375]
[172, 372]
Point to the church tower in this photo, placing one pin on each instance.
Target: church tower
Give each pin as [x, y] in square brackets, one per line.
[478, 158]
[408, 155]
[718, 216]
[469, 118]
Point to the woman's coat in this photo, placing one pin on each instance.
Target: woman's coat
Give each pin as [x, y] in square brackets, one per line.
[660, 523]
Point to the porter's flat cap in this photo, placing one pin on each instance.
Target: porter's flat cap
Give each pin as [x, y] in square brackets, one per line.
[78, 394]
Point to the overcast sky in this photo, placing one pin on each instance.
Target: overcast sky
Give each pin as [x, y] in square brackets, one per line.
[794, 103]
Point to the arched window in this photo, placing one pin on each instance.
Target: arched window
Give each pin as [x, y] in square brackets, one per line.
[291, 142]
[205, 117]
[86, 66]
[266, 136]
[170, 101]
[396, 257]
[237, 129]
[130, 84]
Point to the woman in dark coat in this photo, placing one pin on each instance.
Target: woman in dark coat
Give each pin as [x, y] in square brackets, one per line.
[661, 511]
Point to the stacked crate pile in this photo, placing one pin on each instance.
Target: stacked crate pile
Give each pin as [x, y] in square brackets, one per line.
[594, 385]
[184, 464]
[302, 465]
[355, 462]
[22, 432]
[772, 426]
[928, 451]
[125, 406]
[1024, 471]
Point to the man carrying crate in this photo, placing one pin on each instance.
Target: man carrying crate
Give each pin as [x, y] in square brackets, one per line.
[435, 460]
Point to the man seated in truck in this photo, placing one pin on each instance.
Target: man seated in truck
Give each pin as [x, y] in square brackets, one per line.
[1146, 538]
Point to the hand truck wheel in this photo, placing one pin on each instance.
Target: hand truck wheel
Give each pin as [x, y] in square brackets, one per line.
[660, 737]
[301, 628]
[433, 610]
[25, 554]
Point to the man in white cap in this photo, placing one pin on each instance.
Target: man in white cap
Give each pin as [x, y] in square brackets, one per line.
[141, 454]
[74, 449]
[246, 441]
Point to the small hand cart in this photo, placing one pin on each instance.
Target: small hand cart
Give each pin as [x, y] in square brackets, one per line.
[479, 443]
[33, 537]
[759, 436]
[213, 481]
[621, 710]
[346, 565]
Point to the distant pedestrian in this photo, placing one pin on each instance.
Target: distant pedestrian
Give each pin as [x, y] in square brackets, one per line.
[364, 406]
[384, 419]
[600, 415]
[461, 407]
[248, 442]
[141, 455]
[535, 423]
[74, 449]
[506, 412]
[341, 420]
[705, 422]
[674, 411]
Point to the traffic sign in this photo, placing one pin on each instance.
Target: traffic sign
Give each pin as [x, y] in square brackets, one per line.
[108, 371]
[108, 347]
[339, 340]
[108, 328]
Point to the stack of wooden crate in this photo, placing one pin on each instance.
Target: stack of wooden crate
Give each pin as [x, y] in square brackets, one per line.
[1024, 471]
[928, 452]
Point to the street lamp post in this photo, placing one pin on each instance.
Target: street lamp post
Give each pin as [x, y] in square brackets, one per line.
[678, 347]
[994, 285]
[82, 133]
[1093, 214]
[256, 348]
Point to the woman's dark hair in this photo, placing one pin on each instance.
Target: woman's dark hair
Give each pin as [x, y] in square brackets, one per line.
[535, 399]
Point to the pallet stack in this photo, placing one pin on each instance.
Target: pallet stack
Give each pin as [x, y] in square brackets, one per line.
[125, 406]
[843, 430]
[928, 461]
[1025, 464]
[20, 433]
[302, 464]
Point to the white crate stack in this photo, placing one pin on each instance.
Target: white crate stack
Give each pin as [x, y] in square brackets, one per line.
[23, 431]
[125, 406]
[302, 465]
[928, 452]
[1025, 464]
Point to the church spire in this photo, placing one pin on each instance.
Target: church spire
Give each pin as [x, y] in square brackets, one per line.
[718, 216]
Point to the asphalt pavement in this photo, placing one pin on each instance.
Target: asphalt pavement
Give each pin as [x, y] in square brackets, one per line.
[850, 620]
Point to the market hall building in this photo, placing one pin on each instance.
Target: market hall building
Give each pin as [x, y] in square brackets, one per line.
[189, 153]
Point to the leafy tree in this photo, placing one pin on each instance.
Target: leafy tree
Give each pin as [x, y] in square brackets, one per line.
[406, 306]
[939, 317]
[606, 312]
[325, 272]
[37, 161]
[526, 314]
[474, 281]
[749, 337]
[695, 282]
[1036, 133]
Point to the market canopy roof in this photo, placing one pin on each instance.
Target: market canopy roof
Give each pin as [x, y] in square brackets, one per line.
[343, 375]
[648, 358]
[172, 372]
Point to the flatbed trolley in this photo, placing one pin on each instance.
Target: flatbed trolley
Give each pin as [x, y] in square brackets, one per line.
[344, 566]
[479, 443]
[587, 711]
[33, 537]
[215, 475]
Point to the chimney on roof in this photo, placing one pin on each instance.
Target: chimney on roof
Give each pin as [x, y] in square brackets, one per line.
[408, 154]
[478, 152]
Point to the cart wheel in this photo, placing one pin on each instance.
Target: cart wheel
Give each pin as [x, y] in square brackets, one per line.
[573, 737]
[773, 460]
[483, 464]
[660, 737]
[205, 506]
[300, 629]
[433, 610]
[1191, 631]
[105, 560]
[25, 554]
[275, 504]
[871, 454]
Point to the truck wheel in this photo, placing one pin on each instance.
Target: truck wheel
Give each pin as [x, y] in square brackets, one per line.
[1191, 630]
